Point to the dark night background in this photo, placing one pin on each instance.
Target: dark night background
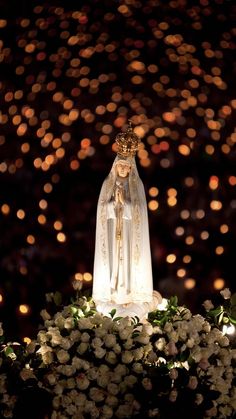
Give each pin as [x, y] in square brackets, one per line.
[71, 75]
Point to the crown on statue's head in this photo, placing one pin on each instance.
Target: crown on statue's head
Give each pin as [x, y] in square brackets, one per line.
[127, 142]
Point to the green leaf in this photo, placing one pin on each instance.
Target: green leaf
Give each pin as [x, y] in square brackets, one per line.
[233, 299]
[116, 319]
[112, 312]
[216, 312]
[57, 297]
[232, 320]
[9, 351]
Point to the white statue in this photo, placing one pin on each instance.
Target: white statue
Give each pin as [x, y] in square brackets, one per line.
[122, 276]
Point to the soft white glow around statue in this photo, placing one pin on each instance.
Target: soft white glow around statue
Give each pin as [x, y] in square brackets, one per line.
[122, 266]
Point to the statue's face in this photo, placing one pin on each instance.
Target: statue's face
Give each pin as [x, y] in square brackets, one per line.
[123, 168]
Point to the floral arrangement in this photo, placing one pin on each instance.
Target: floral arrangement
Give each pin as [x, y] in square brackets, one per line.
[175, 364]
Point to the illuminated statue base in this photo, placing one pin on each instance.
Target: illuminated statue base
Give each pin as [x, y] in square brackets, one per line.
[132, 309]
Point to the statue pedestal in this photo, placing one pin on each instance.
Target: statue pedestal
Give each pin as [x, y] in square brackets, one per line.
[130, 310]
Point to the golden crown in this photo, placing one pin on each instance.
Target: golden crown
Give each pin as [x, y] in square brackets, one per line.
[127, 142]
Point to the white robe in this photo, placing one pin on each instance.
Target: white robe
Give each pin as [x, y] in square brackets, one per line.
[122, 268]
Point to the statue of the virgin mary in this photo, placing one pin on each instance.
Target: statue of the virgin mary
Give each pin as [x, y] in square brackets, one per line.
[122, 276]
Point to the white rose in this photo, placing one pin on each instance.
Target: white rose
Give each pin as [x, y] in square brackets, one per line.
[121, 369]
[208, 305]
[110, 340]
[99, 352]
[160, 344]
[63, 356]
[103, 380]
[80, 399]
[173, 374]
[226, 294]
[173, 396]
[130, 380]
[96, 394]
[147, 328]
[75, 336]
[82, 348]
[111, 357]
[147, 384]
[171, 348]
[111, 400]
[125, 333]
[42, 337]
[190, 343]
[117, 348]
[92, 373]
[168, 327]
[127, 357]
[85, 323]
[138, 353]
[96, 343]
[107, 412]
[193, 382]
[137, 368]
[45, 315]
[69, 323]
[59, 321]
[113, 389]
[124, 411]
[66, 343]
[51, 379]
[76, 362]
[199, 398]
[100, 332]
[128, 344]
[223, 341]
[85, 337]
[26, 374]
[82, 381]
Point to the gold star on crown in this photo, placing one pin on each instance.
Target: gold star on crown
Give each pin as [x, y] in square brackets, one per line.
[127, 142]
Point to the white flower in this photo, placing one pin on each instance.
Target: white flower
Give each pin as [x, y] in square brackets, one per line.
[124, 411]
[125, 333]
[82, 381]
[121, 369]
[100, 332]
[69, 323]
[111, 357]
[226, 294]
[63, 356]
[82, 348]
[97, 343]
[128, 344]
[45, 315]
[193, 382]
[160, 344]
[96, 394]
[138, 353]
[85, 323]
[113, 389]
[92, 373]
[51, 379]
[171, 348]
[111, 400]
[173, 396]
[75, 336]
[85, 337]
[59, 321]
[106, 412]
[110, 340]
[127, 357]
[130, 380]
[27, 373]
[66, 343]
[137, 367]
[199, 398]
[42, 337]
[147, 384]
[80, 399]
[173, 374]
[208, 305]
[99, 352]
[117, 349]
